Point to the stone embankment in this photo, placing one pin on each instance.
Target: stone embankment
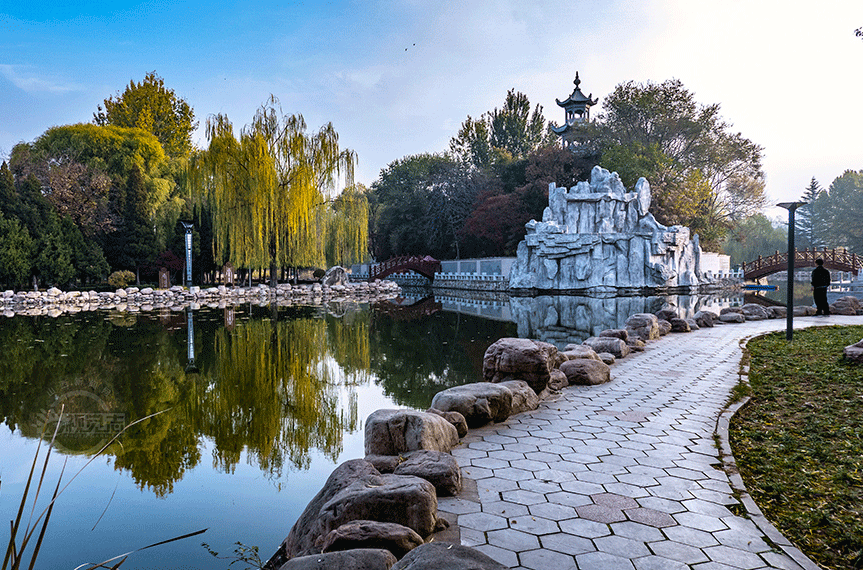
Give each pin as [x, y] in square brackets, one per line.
[55, 302]
[381, 512]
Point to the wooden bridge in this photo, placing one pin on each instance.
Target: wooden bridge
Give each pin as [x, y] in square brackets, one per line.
[837, 259]
[426, 266]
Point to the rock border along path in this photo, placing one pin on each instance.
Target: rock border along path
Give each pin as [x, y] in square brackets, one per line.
[625, 475]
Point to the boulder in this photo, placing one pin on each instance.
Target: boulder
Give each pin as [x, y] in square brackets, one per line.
[607, 357]
[520, 359]
[524, 399]
[385, 463]
[616, 333]
[479, 403]
[705, 319]
[439, 469]
[585, 372]
[664, 327]
[445, 556]
[846, 306]
[726, 310]
[455, 418]
[803, 311]
[396, 538]
[667, 314]
[557, 381]
[777, 312]
[635, 345]
[754, 312]
[358, 559]
[574, 351]
[307, 530]
[391, 432]
[615, 346]
[643, 325]
[693, 325]
[854, 352]
[679, 325]
[335, 275]
[732, 318]
[403, 499]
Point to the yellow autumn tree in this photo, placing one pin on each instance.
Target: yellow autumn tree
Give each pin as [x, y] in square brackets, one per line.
[272, 190]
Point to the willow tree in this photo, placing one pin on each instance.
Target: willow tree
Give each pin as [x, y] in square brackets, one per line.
[271, 187]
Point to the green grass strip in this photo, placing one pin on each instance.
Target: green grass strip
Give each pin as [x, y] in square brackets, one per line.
[799, 442]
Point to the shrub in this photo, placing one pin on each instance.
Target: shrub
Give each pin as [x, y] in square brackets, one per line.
[121, 279]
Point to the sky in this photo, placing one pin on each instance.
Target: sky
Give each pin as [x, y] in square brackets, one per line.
[398, 77]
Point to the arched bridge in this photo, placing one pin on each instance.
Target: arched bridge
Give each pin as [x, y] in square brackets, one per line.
[837, 259]
[426, 266]
[401, 310]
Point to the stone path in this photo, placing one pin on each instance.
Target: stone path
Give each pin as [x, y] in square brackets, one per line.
[626, 475]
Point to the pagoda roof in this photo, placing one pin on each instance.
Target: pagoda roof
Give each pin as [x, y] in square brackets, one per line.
[577, 97]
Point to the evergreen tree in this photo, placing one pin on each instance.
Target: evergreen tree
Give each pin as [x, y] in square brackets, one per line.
[805, 217]
[8, 196]
[16, 249]
[139, 236]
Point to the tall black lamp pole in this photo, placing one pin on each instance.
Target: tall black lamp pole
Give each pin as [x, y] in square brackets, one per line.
[789, 302]
[188, 227]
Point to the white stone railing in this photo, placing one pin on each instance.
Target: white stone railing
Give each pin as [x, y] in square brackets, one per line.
[470, 277]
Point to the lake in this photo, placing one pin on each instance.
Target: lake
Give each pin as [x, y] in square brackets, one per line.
[255, 407]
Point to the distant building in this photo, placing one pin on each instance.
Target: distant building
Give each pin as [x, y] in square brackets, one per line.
[577, 111]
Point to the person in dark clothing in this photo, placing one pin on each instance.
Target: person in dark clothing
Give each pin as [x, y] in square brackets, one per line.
[820, 282]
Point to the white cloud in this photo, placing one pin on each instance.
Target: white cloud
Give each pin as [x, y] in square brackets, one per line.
[32, 83]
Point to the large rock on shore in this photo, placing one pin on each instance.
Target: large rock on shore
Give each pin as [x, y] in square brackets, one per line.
[847, 305]
[586, 372]
[754, 312]
[854, 352]
[479, 403]
[396, 538]
[643, 325]
[574, 351]
[524, 399]
[438, 468]
[309, 527]
[705, 319]
[455, 418]
[391, 432]
[357, 559]
[612, 345]
[520, 359]
[445, 556]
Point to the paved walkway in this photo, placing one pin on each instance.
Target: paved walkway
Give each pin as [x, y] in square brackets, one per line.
[626, 475]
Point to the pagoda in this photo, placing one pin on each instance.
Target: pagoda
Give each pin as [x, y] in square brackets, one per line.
[577, 108]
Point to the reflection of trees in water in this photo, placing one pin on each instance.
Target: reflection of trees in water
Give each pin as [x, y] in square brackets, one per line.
[414, 360]
[269, 386]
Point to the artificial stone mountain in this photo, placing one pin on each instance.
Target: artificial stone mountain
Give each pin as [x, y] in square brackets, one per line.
[598, 237]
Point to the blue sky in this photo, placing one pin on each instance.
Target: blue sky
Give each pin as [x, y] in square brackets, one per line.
[398, 77]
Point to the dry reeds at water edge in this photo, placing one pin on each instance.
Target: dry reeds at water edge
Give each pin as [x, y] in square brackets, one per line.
[14, 558]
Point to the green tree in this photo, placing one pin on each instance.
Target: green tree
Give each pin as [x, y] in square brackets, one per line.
[839, 211]
[139, 243]
[15, 253]
[8, 196]
[684, 149]
[807, 217]
[267, 187]
[754, 236]
[512, 131]
[154, 108]
[347, 227]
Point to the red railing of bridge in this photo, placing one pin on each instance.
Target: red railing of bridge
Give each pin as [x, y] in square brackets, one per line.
[838, 259]
[426, 266]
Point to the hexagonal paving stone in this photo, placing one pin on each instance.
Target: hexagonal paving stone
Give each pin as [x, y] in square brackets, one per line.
[523, 497]
[621, 546]
[489, 463]
[539, 486]
[512, 539]
[569, 499]
[506, 455]
[600, 513]
[457, 506]
[614, 501]
[603, 560]
[506, 557]
[482, 521]
[567, 543]
[678, 551]
[513, 474]
[552, 511]
[584, 527]
[529, 464]
[504, 508]
[734, 557]
[546, 560]
[637, 531]
[658, 563]
[690, 536]
[701, 522]
[650, 517]
[534, 525]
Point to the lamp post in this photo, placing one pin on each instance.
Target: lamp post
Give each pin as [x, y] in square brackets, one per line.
[188, 226]
[789, 300]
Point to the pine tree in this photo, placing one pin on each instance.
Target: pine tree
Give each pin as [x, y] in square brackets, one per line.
[806, 216]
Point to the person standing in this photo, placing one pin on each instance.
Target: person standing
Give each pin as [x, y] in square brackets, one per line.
[820, 282]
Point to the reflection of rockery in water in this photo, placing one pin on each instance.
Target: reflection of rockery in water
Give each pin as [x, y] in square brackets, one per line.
[598, 237]
[562, 319]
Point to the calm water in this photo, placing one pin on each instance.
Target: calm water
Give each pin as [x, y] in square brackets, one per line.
[255, 411]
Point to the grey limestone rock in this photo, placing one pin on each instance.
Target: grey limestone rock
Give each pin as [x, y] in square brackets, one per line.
[335, 275]
[664, 327]
[615, 346]
[455, 418]
[519, 359]
[557, 381]
[391, 432]
[754, 312]
[573, 351]
[644, 326]
[615, 333]
[679, 325]
[394, 537]
[357, 559]
[732, 318]
[607, 358]
[854, 352]
[524, 399]
[445, 556]
[479, 403]
[585, 372]
[439, 469]
[705, 319]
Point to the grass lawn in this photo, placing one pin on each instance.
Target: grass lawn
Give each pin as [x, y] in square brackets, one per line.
[799, 442]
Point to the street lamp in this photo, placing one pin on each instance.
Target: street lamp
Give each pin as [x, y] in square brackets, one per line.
[789, 302]
[188, 226]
